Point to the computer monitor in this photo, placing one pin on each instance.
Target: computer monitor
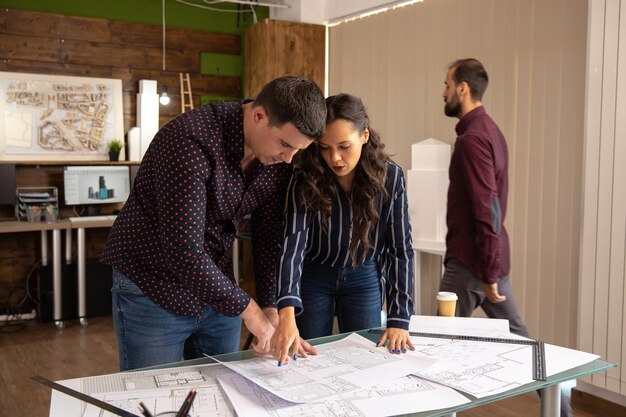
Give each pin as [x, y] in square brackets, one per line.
[96, 184]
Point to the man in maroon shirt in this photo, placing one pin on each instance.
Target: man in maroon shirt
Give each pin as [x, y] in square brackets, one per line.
[477, 256]
[477, 246]
[171, 244]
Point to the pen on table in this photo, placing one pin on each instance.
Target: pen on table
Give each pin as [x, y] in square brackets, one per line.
[184, 409]
[144, 410]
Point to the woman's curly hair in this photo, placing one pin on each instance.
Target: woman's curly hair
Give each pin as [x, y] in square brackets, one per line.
[320, 185]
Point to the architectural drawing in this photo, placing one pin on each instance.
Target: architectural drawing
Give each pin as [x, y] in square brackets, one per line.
[347, 365]
[58, 115]
[483, 369]
[183, 377]
[480, 369]
[210, 401]
[160, 389]
[342, 366]
[404, 395]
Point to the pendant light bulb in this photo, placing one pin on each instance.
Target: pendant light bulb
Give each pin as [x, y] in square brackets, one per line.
[164, 99]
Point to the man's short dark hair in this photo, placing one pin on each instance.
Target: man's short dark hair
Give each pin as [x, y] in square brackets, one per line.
[296, 100]
[473, 73]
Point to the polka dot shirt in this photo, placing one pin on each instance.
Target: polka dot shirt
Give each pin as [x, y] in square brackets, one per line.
[174, 235]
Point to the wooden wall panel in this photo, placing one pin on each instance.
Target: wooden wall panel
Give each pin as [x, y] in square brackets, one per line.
[30, 48]
[175, 39]
[19, 22]
[55, 68]
[22, 252]
[57, 26]
[3, 20]
[48, 43]
[69, 45]
[273, 48]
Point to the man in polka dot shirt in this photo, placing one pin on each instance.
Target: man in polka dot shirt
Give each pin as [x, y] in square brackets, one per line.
[171, 244]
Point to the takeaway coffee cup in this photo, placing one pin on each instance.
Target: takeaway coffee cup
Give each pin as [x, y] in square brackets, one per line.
[446, 301]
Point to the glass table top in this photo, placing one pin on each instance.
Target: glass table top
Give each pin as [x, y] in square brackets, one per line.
[595, 366]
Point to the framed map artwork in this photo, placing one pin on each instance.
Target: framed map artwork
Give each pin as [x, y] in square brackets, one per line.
[52, 117]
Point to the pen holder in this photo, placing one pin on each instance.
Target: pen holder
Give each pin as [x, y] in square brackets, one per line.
[33, 214]
[50, 214]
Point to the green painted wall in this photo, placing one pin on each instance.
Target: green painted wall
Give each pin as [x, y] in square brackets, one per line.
[149, 12]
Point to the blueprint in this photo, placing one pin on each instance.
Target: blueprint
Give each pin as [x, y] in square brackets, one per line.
[477, 368]
[160, 389]
[404, 395]
[209, 401]
[483, 369]
[343, 366]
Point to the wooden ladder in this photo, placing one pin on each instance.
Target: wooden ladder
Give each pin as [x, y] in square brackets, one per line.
[186, 99]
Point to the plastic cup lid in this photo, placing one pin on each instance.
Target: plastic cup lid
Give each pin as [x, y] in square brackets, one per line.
[446, 296]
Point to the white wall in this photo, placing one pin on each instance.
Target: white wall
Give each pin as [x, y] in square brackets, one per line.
[534, 51]
[324, 11]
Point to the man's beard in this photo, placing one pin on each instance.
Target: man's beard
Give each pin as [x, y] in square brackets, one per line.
[452, 109]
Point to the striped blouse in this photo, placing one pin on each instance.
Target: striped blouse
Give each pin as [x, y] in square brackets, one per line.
[305, 239]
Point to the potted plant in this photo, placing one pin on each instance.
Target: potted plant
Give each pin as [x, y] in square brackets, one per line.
[115, 146]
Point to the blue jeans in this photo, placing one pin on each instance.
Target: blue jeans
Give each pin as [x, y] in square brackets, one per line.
[354, 294]
[148, 335]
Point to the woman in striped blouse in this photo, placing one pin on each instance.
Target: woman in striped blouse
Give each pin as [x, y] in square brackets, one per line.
[347, 244]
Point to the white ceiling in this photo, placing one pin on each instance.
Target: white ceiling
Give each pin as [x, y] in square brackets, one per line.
[327, 11]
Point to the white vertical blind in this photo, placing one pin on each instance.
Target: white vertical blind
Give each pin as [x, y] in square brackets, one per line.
[534, 51]
[603, 241]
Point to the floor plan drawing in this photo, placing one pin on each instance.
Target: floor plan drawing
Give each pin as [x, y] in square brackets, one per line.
[401, 396]
[342, 366]
[482, 368]
[477, 369]
[184, 377]
[160, 389]
[210, 401]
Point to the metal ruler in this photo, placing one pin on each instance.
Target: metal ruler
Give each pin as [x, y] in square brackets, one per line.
[84, 397]
[539, 352]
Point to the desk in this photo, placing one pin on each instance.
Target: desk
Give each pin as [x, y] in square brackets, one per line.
[82, 261]
[432, 247]
[22, 226]
[56, 227]
[550, 401]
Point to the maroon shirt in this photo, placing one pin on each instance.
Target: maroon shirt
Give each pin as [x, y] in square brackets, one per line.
[477, 198]
[174, 236]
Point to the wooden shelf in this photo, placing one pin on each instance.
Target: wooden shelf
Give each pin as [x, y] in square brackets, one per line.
[62, 162]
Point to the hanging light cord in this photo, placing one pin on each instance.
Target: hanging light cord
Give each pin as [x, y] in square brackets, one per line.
[163, 21]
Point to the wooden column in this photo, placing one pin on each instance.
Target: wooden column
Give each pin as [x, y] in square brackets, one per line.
[273, 48]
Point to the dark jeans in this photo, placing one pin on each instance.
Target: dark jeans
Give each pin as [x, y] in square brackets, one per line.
[353, 294]
[148, 335]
